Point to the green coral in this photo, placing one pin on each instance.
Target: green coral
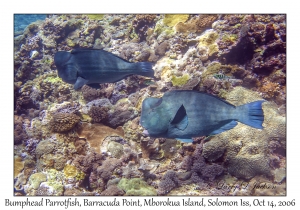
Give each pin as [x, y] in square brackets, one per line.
[179, 81]
[36, 179]
[47, 60]
[208, 40]
[172, 20]
[237, 25]
[62, 17]
[136, 187]
[80, 175]
[52, 79]
[211, 69]
[230, 38]
[70, 171]
[161, 28]
[96, 16]
[212, 49]
[70, 43]
[57, 187]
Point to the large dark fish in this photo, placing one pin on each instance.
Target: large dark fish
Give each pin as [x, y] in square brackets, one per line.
[184, 114]
[92, 67]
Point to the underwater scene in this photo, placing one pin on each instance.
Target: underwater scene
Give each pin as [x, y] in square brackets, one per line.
[149, 105]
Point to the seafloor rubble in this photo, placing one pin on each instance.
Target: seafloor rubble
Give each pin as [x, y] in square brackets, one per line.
[89, 142]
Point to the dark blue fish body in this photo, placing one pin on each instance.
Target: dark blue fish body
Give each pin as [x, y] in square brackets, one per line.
[185, 114]
[91, 66]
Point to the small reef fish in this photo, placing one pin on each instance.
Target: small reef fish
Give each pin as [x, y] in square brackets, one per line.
[221, 76]
[93, 67]
[183, 114]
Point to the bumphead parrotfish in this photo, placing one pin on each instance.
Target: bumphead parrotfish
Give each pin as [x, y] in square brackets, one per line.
[93, 67]
[183, 114]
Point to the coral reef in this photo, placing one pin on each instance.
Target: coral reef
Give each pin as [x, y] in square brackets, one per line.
[169, 181]
[172, 20]
[62, 122]
[246, 148]
[142, 24]
[96, 133]
[98, 114]
[196, 24]
[115, 148]
[180, 81]
[90, 93]
[101, 110]
[36, 179]
[88, 162]
[20, 134]
[44, 147]
[135, 187]
[112, 190]
[18, 165]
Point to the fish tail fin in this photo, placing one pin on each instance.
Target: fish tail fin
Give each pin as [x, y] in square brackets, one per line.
[251, 114]
[145, 69]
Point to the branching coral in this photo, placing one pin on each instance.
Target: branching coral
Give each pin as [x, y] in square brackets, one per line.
[88, 162]
[98, 114]
[168, 182]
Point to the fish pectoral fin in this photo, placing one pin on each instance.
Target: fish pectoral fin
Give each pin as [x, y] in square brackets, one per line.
[79, 83]
[225, 127]
[180, 120]
[185, 140]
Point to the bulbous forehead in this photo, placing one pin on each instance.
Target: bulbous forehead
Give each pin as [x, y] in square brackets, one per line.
[61, 57]
[149, 109]
[150, 103]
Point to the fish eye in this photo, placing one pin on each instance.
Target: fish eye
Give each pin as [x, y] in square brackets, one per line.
[157, 103]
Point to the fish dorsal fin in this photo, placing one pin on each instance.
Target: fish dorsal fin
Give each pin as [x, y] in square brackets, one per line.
[199, 92]
[225, 127]
[79, 83]
[82, 50]
[180, 120]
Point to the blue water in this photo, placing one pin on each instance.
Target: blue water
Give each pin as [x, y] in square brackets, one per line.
[23, 20]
